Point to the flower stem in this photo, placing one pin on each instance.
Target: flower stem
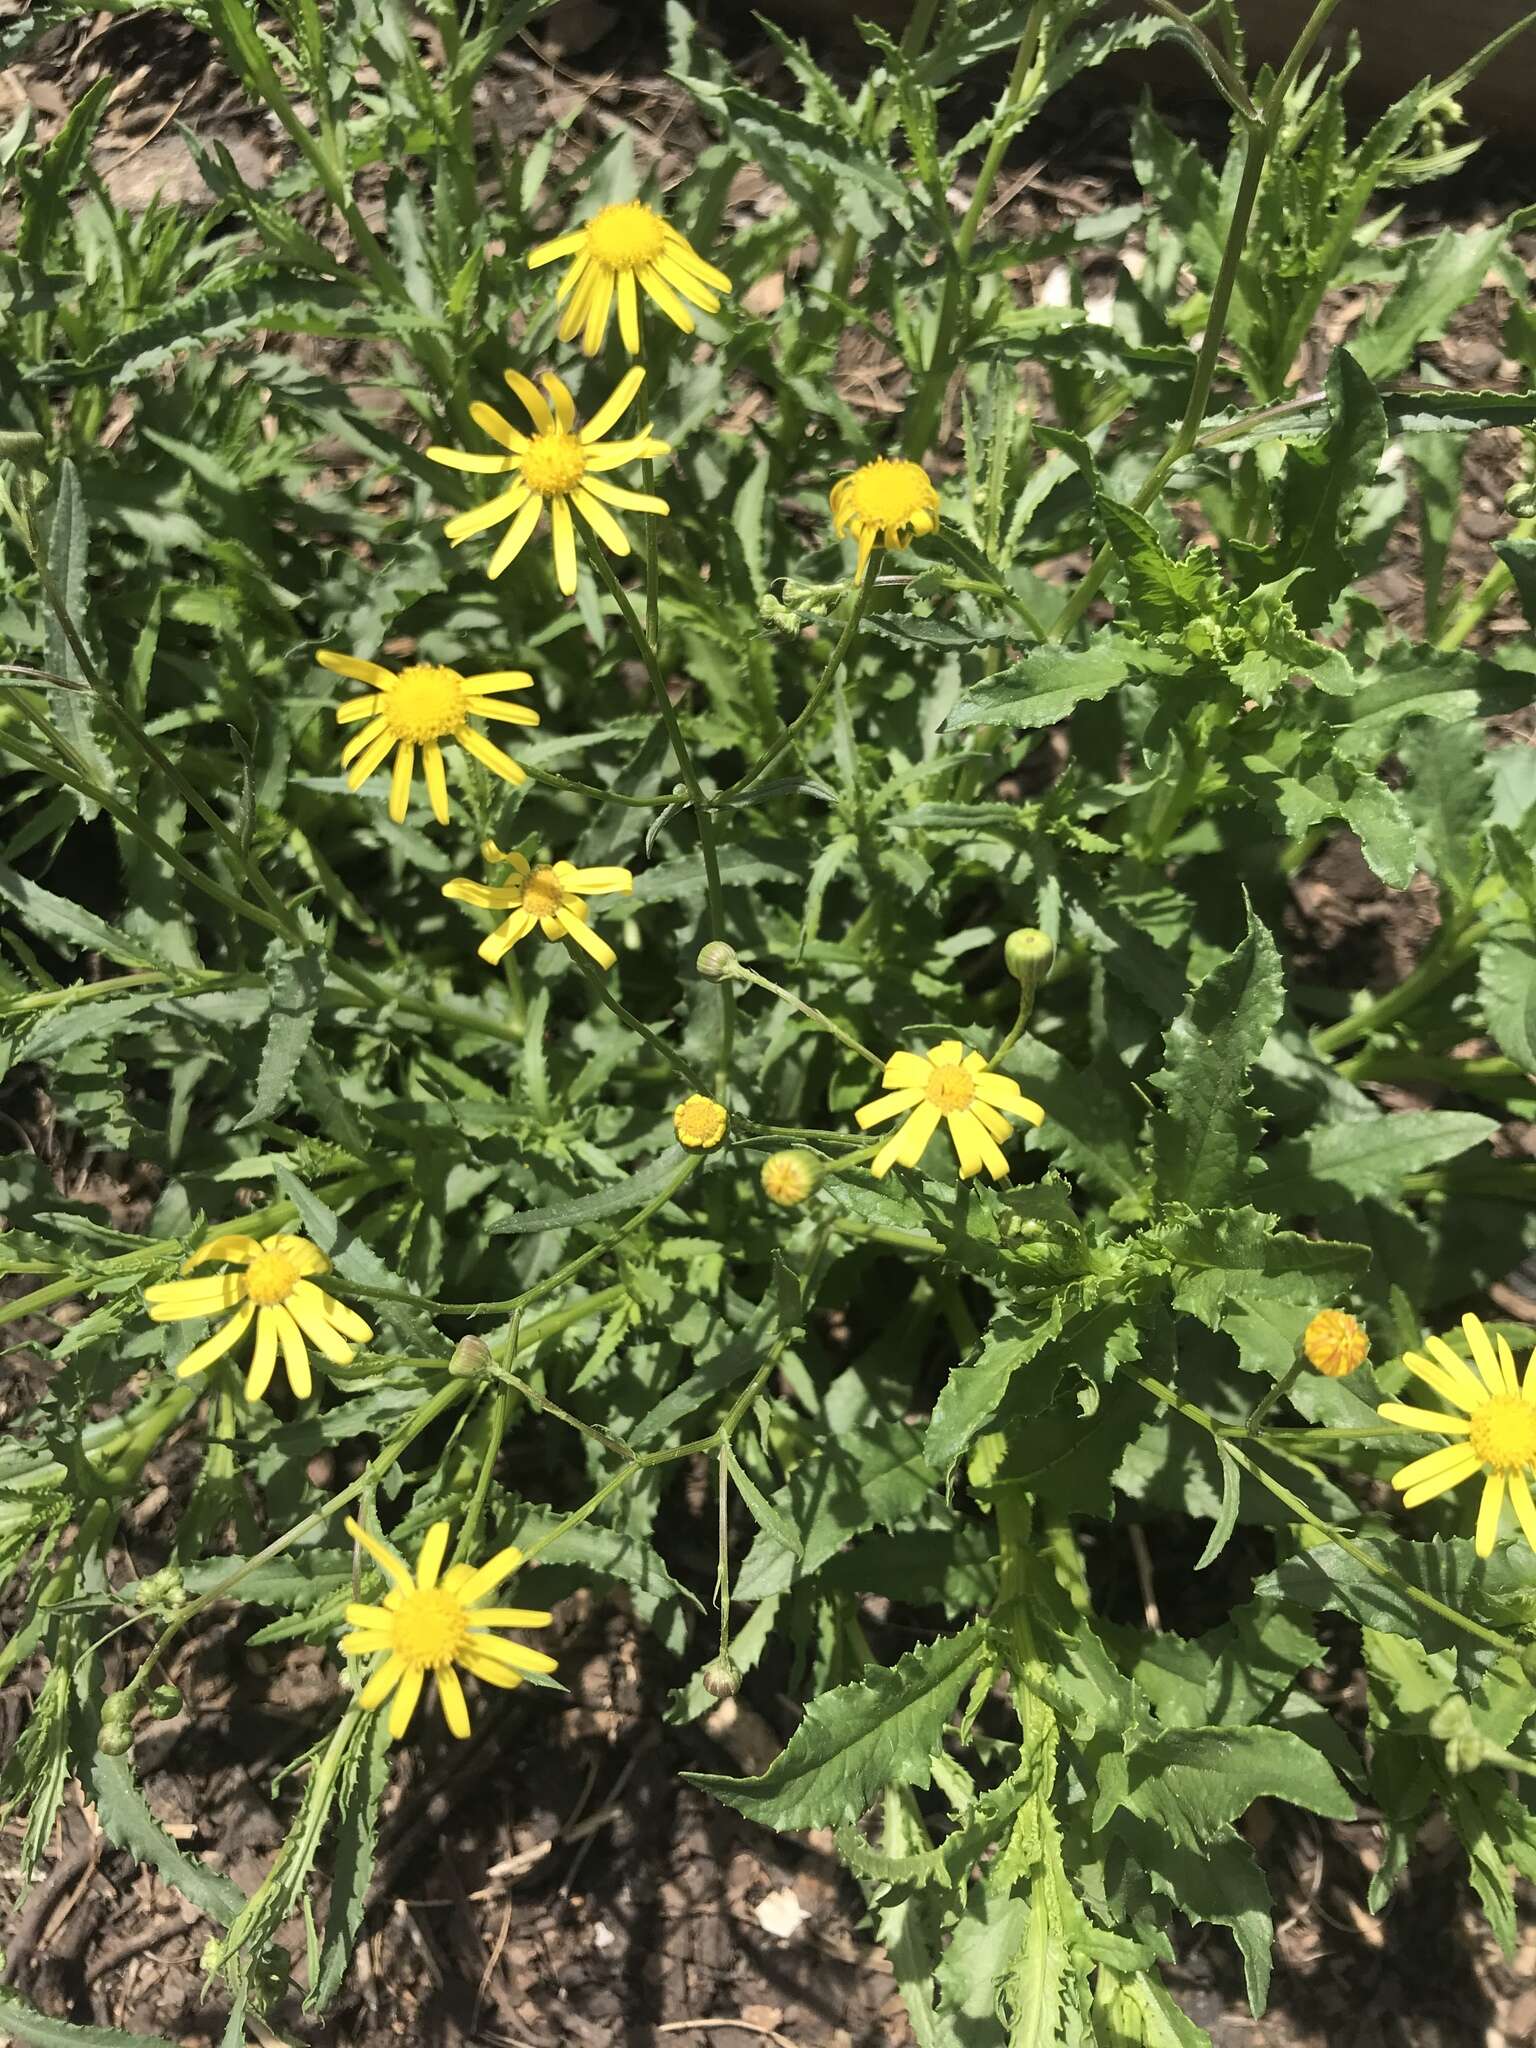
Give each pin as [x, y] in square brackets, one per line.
[813, 703]
[684, 758]
[1447, 956]
[680, 1067]
[744, 973]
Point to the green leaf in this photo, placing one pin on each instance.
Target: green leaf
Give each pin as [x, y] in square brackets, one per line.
[1506, 975]
[1194, 1782]
[353, 1843]
[1367, 1584]
[633, 1191]
[1448, 797]
[1204, 1137]
[296, 979]
[128, 1823]
[1322, 488]
[881, 1730]
[1166, 592]
[65, 924]
[1047, 685]
[975, 1388]
[764, 1513]
[1441, 277]
[1363, 1157]
[1226, 1520]
[22, 2022]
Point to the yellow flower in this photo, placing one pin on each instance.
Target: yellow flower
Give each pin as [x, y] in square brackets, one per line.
[1495, 1433]
[699, 1123]
[617, 254]
[556, 465]
[421, 707]
[887, 502]
[433, 1622]
[1335, 1343]
[275, 1287]
[789, 1178]
[549, 897]
[956, 1085]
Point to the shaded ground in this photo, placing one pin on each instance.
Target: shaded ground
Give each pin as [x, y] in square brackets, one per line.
[556, 1881]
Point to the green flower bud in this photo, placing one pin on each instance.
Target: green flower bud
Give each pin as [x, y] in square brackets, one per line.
[163, 1591]
[1528, 1663]
[470, 1359]
[163, 1702]
[789, 1178]
[115, 1738]
[717, 961]
[722, 1681]
[1027, 954]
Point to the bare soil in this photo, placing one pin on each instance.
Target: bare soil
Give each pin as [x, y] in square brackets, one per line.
[555, 1880]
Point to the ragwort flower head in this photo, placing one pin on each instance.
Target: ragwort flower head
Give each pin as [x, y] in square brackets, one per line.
[273, 1285]
[1335, 1344]
[617, 254]
[700, 1123]
[956, 1086]
[790, 1178]
[421, 707]
[550, 897]
[1494, 1433]
[431, 1624]
[559, 465]
[887, 502]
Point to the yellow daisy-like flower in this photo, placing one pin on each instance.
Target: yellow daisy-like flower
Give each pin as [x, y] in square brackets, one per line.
[954, 1084]
[558, 465]
[549, 897]
[700, 1123]
[421, 707]
[887, 502]
[1495, 1432]
[274, 1287]
[1335, 1344]
[617, 254]
[432, 1622]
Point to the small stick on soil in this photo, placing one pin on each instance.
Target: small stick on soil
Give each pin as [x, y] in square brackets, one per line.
[747, 2027]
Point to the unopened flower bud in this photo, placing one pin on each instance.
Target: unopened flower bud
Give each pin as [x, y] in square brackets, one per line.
[115, 1737]
[789, 1178]
[1528, 1663]
[1335, 1344]
[722, 1681]
[1027, 954]
[700, 1123]
[164, 1702]
[470, 1358]
[717, 961]
[162, 1591]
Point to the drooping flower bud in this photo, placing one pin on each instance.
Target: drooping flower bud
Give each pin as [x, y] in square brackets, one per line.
[717, 961]
[470, 1358]
[722, 1681]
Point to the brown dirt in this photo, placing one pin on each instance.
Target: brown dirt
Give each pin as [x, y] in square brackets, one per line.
[555, 1881]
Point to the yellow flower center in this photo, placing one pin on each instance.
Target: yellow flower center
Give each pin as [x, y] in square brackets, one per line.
[950, 1089]
[1504, 1433]
[699, 1123]
[553, 464]
[626, 237]
[430, 1630]
[890, 494]
[270, 1278]
[424, 704]
[542, 894]
[1335, 1343]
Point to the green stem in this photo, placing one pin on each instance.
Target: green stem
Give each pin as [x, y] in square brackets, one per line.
[813, 703]
[681, 754]
[1280, 1388]
[679, 1066]
[1447, 956]
[594, 792]
[741, 972]
[1485, 600]
[1299, 1508]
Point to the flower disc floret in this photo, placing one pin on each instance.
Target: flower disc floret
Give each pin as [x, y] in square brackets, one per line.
[700, 1123]
[789, 1178]
[953, 1086]
[432, 1624]
[559, 465]
[1335, 1344]
[885, 502]
[272, 1286]
[416, 711]
[549, 898]
[622, 251]
[1493, 1430]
